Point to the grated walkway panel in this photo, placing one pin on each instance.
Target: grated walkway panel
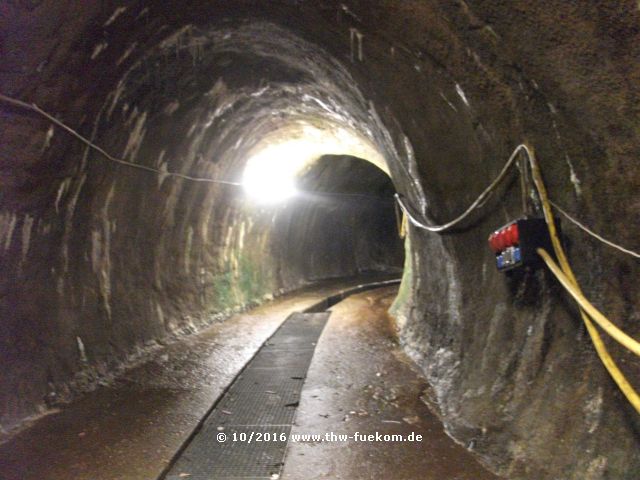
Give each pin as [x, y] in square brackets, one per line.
[255, 415]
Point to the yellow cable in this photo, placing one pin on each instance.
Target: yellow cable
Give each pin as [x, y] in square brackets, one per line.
[567, 278]
[588, 307]
[576, 292]
[401, 220]
[601, 349]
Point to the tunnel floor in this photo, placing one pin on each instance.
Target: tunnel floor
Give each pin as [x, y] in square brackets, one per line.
[359, 381]
[245, 435]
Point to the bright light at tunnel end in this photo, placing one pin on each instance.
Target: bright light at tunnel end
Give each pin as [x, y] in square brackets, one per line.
[268, 185]
[270, 173]
[269, 176]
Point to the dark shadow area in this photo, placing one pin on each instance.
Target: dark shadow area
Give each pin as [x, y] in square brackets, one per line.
[344, 208]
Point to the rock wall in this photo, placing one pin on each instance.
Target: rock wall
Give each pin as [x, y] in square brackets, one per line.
[102, 259]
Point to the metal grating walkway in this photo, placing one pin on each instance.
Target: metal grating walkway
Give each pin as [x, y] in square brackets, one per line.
[255, 415]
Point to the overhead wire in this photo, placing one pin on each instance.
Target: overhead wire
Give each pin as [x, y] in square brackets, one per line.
[478, 202]
[33, 107]
[563, 273]
[592, 233]
[484, 196]
[568, 279]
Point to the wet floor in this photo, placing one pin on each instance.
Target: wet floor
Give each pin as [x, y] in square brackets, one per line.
[360, 381]
[130, 430]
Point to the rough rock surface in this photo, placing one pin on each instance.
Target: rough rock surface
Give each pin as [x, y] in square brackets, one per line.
[101, 260]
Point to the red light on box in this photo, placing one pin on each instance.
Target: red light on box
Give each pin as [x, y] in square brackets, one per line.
[493, 244]
[515, 244]
[504, 238]
[512, 234]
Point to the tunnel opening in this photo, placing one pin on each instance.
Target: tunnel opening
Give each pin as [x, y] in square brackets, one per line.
[106, 261]
[351, 203]
[156, 238]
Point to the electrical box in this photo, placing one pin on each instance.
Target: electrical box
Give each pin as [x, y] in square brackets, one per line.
[515, 243]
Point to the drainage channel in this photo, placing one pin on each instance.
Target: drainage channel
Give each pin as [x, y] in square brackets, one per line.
[246, 432]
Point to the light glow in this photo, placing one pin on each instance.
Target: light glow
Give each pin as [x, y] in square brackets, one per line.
[270, 173]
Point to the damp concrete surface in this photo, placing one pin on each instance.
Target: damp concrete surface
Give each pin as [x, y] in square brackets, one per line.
[359, 381]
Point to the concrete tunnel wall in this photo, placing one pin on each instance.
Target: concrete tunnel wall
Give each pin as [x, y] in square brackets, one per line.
[444, 90]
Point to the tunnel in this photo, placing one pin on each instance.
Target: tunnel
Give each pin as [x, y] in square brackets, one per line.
[168, 168]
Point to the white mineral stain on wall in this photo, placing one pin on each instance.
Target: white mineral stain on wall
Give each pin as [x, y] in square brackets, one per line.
[47, 138]
[412, 168]
[7, 225]
[227, 238]
[27, 225]
[208, 209]
[118, 11]
[68, 221]
[349, 12]
[171, 107]
[355, 38]
[241, 234]
[126, 54]
[462, 95]
[64, 186]
[96, 250]
[135, 137]
[157, 267]
[443, 371]
[161, 164]
[101, 265]
[187, 250]
[160, 313]
[575, 181]
[177, 38]
[448, 102]
[132, 116]
[97, 50]
[161, 157]
[219, 89]
[454, 295]
[573, 177]
[101, 253]
[115, 94]
[143, 12]
[163, 173]
[81, 350]
[593, 411]
[170, 203]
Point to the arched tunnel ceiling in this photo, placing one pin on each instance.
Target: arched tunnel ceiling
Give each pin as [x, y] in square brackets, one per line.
[252, 77]
[345, 174]
[102, 260]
